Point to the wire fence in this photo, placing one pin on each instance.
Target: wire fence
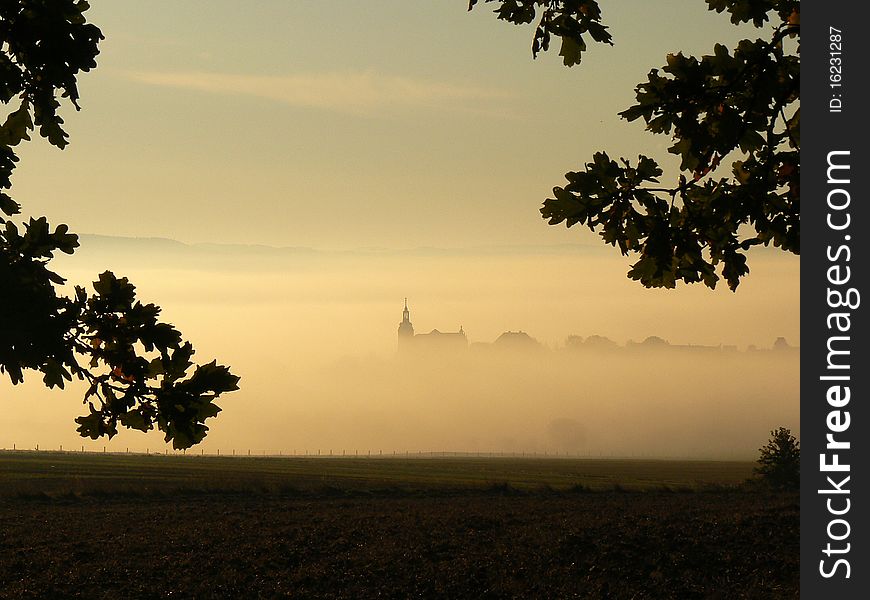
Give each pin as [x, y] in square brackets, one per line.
[323, 453]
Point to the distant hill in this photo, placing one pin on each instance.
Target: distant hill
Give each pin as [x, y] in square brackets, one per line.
[104, 251]
[90, 241]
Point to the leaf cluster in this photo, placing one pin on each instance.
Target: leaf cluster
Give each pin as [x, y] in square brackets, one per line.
[570, 20]
[139, 370]
[737, 106]
[146, 380]
[45, 45]
[35, 321]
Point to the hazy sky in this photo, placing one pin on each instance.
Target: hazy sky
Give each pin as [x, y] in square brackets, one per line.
[396, 125]
[343, 124]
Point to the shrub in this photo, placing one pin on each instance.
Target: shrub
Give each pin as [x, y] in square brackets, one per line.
[779, 463]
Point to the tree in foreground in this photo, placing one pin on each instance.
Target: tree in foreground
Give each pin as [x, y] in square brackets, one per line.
[739, 108]
[780, 460]
[139, 370]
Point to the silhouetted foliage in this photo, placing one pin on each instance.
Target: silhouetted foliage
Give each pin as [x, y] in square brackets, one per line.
[780, 460]
[137, 367]
[742, 104]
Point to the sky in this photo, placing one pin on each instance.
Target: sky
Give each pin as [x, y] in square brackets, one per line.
[403, 149]
[343, 124]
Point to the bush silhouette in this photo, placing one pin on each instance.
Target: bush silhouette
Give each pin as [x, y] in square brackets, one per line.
[780, 460]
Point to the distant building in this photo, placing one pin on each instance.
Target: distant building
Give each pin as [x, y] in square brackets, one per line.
[781, 344]
[517, 340]
[406, 329]
[520, 341]
[433, 341]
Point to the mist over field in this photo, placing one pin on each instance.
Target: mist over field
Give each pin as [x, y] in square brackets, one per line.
[313, 335]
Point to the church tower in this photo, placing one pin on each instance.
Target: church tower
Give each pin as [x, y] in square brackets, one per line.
[406, 330]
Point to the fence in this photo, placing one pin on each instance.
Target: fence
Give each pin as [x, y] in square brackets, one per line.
[321, 453]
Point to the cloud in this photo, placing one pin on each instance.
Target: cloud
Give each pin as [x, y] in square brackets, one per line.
[362, 93]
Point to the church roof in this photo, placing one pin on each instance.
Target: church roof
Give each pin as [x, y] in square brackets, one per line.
[435, 332]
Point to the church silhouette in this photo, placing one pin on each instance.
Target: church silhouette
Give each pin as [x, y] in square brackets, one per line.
[434, 340]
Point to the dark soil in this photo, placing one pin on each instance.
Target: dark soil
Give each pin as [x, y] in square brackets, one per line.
[496, 544]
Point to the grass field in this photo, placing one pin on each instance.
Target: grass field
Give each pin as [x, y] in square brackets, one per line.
[79, 525]
[57, 473]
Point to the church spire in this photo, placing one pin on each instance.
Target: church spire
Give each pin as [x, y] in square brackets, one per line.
[406, 330]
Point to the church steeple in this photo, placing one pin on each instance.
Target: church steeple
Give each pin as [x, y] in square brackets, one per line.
[406, 329]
